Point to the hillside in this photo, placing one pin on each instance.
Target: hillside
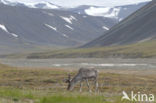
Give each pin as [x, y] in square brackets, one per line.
[138, 27]
[22, 27]
[139, 50]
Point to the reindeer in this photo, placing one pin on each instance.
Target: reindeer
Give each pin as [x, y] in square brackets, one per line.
[84, 74]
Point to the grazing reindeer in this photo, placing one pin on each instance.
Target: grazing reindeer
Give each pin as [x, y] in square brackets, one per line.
[83, 74]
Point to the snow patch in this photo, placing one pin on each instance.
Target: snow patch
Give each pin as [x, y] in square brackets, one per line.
[120, 19]
[6, 30]
[73, 18]
[69, 27]
[51, 27]
[105, 11]
[69, 19]
[3, 28]
[106, 28]
[15, 35]
[65, 35]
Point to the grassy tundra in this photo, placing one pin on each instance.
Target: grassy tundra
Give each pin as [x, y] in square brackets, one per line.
[46, 85]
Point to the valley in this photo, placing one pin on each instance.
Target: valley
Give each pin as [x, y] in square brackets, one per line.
[138, 50]
[42, 44]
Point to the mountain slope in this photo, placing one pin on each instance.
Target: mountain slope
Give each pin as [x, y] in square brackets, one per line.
[139, 27]
[22, 26]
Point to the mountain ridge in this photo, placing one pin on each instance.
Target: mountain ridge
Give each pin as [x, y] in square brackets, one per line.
[133, 29]
[115, 12]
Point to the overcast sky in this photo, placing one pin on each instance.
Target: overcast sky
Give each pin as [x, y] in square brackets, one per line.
[73, 3]
[95, 2]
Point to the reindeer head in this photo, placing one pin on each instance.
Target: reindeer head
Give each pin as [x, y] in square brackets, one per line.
[69, 82]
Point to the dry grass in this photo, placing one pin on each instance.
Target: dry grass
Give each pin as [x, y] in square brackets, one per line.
[138, 50]
[46, 85]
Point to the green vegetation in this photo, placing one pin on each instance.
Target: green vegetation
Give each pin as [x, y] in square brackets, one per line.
[46, 85]
[138, 50]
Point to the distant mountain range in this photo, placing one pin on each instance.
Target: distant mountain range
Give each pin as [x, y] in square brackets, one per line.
[41, 4]
[134, 37]
[73, 4]
[118, 12]
[24, 26]
[138, 27]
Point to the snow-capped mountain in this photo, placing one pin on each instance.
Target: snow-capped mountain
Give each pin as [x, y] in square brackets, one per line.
[115, 12]
[118, 12]
[39, 4]
[23, 26]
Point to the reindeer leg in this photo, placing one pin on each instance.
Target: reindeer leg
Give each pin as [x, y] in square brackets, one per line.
[88, 85]
[81, 84]
[96, 85]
